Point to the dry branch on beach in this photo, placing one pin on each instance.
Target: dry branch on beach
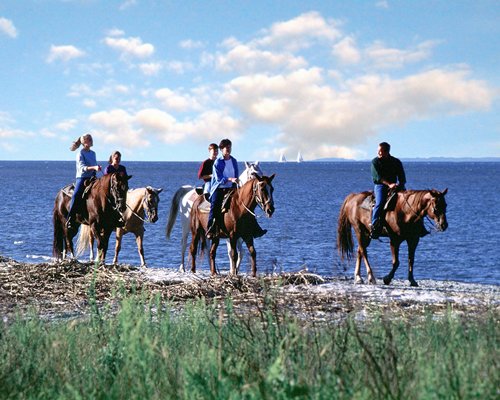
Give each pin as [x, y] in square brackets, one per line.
[65, 289]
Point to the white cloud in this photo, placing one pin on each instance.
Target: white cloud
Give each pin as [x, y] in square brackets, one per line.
[304, 109]
[66, 125]
[7, 27]
[245, 58]
[134, 129]
[386, 57]
[299, 32]
[150, 69]
[177, 101]
[64, 53]
[191, 44]
[130, 47]
[346, 51]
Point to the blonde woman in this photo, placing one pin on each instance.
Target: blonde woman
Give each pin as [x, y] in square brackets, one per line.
[86, 168]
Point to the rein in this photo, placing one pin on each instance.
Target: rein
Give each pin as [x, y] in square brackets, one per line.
[415, 213]
[148, 218]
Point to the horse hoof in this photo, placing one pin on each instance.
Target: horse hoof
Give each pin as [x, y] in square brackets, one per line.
[387, 280]
[358, 280]
[372, 281]
[413, 284]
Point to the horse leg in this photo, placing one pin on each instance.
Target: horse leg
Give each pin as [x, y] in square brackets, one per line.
[91, 247]
[357, 275]
[253, 255]
[412, 247]
[213, 254]
[395, 261]
[140, 248]
[185, 232]
[233, 255]
[118, 245]
[239, 249]
[193, 248]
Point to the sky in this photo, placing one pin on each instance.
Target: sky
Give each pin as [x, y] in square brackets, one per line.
[160, 80]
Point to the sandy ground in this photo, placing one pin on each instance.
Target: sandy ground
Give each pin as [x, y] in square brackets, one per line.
[63, 290]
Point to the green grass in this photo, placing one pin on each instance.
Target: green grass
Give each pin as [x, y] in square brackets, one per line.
[146, 351]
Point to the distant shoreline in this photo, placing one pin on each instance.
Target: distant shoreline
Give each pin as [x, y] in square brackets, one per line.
[415, 159]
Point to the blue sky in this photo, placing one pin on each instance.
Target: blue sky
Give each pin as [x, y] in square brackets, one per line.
[160, 80]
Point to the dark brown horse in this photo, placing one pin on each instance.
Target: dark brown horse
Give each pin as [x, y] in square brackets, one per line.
[237, 221]
[142, 206]
[105, 198]
[404, 222]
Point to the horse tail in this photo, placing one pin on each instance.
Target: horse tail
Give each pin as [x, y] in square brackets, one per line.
[83, 242]
[345, 243]
[174, 208]
[58, 242]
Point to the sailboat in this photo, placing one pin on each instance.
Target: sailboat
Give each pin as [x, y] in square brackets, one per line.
[299, 158]
[282, 158]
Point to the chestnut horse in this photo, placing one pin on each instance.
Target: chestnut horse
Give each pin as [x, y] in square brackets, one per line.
[142, 206]
[403, 222]
[182, 202]
[258, 191]
[106, 197]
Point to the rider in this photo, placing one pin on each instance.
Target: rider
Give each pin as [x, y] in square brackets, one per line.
[387, 173]
[114, 164]
[86, 168]
[205, 171]
[224, 177]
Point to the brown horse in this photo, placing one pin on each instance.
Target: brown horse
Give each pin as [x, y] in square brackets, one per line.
[142, 206]
[402, 223]
[258, 191]
[105, 198]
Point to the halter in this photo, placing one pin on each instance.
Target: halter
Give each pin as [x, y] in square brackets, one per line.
[146, 207]
[258, 200]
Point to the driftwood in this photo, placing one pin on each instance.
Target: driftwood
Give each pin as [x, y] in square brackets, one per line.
[67, 289]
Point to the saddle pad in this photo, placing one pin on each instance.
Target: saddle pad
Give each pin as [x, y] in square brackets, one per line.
[368, 202]
[204, 206]
[68, 189]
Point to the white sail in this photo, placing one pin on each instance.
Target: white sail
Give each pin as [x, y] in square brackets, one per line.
[282, 158]
[299, 157]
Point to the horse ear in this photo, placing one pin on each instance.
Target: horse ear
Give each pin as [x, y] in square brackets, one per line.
[259, 178]
[256, 163]
[128, 177]
[445, 191]
[159, 190]
[272, 177]
[247, 165]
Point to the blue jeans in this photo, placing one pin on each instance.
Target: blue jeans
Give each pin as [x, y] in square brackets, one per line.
[380, 191]
[77, 196]
[215, 207]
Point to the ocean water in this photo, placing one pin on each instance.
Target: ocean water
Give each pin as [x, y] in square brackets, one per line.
[302, 232]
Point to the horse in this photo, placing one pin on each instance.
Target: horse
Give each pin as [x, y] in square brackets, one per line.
[142, 206]
[402, 222]
[182, 202]
[105, 198]
[258, 191]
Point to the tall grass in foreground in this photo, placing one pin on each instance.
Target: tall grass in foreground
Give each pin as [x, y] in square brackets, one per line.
[147, 352]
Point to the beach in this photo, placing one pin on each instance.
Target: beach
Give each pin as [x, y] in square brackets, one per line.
[67, 289]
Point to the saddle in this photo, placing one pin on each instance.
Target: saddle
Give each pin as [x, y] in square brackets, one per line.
[369, 202]
[70, 188]
[204, 206]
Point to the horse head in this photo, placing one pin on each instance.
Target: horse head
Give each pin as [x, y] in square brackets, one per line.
[251, 171]
[437, 209]
[151, 200]
[118, 187]
[263, 191]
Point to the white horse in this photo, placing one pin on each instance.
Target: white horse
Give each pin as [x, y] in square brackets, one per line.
[183, 201]
[142, 206]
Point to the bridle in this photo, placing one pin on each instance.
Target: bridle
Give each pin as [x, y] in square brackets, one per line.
[147, 206]
[257, 197]
[115, 199]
